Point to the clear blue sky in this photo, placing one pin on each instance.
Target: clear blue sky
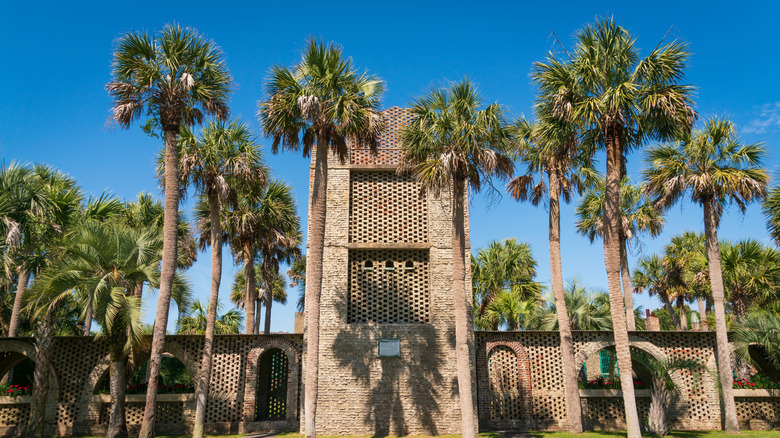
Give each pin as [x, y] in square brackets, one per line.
[54, 108]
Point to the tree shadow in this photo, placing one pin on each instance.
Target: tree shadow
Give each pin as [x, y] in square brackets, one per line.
[400, 389]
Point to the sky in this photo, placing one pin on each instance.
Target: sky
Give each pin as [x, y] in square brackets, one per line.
[54, 108]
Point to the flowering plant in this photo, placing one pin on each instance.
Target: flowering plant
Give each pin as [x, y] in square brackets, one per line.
[14, 390]
[601, 383]
[757, 381]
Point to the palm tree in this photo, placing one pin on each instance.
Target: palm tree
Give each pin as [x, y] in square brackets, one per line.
[324, 101]
[278, 238]
[650, 275]
[175, 77]
[450, 145]
[771, 207]
[39, 203]
[621, 101]
[107, 260]
[661, 384]
[751, 274]
[503, 266]
[685, 261]
[223, 157]
[238, 291]
[586, 310]
[715, 168]
[761, 329]
[509, 310]
[637, 215]
[297, 275]
[196, 321]
[550, 148]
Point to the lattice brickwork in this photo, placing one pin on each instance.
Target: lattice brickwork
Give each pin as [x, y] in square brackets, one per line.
[13, 415]
[167, 413]
[384, 294]
[277, 386]
[765, 409]
[505, 400]
[386, 208]
[609, 412]
[395, 119]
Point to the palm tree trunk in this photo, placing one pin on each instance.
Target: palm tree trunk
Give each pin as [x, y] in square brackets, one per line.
[250, 295]
[669, 308]
[462, 317]
[628, 294]
[43, 344]
[612, 226]
[314, 283]
[216, 276]
[258, 318]
[117, 421]
[21, 289]
[269, 298]
[721, 333]
[702, 314]
[570, 387]
[88, 318]
[683, 315]
[168, 269]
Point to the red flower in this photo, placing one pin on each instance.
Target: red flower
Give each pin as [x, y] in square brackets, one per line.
[10, 391]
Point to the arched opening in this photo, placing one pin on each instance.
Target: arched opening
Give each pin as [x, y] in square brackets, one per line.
[16, 374]
[503, 371]
[175, 378]
[272, 386]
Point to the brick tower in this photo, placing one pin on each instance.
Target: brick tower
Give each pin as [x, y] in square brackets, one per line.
[387, 327]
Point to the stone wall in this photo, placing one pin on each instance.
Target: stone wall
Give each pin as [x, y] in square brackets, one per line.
[80, 364]
[520, 382]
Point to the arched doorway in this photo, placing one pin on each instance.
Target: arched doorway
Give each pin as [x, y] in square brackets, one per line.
[505, 400]
[272, 386]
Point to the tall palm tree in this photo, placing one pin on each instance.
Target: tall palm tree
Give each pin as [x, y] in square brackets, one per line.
[107, 260]
[221, 158]
[771, 207]
[196, 321]
[324, 101]
[451, 145]
[505, 266]
[716, 169]
[175, 77]
[621, 101]
[637, 215]
[549, 148]
[238, 291]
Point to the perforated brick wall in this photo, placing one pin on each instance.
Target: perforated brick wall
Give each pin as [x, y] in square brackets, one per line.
[389, 286]
[386, 208]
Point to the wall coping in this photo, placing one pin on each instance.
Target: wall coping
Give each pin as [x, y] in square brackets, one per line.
[757, 393]
[141, 398]
[18, 400]
[597, 393]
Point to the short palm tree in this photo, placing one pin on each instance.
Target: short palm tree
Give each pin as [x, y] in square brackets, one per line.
[107, 260]
[176, 78]
[685, 260]
[651, 276]
[586, 310]
[509, 310]
[637, 215]
[40, 202]
[324, 101]
[223, 157]
[751, 274]
[196, 321]
[621, 101]
[661, 384]
[451, 145]
[715, 168]
[278, 237]
[238, 291]
[503, 266]
[759, 329]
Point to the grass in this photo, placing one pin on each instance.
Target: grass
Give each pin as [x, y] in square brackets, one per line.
[606, 434]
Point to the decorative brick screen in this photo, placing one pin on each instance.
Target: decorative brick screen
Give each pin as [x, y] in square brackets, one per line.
[14, 415]
[167, 413]
[505, 400]
[386, 208]
[388, 286]
[389, 150]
